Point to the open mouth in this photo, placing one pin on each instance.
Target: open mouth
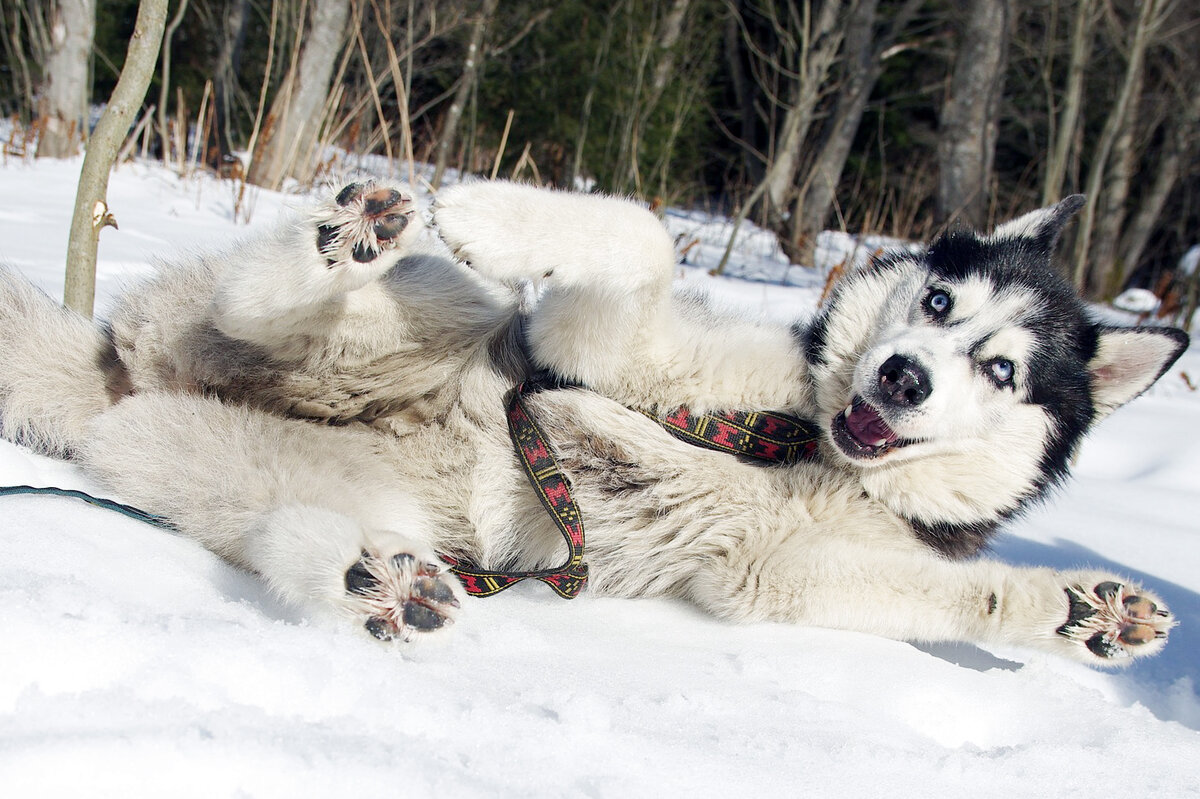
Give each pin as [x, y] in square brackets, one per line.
[861, 433]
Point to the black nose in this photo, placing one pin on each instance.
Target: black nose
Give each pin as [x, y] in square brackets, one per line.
[903, 381]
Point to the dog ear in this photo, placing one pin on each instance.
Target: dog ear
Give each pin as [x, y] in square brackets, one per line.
[1128, 360]
[1044, 225]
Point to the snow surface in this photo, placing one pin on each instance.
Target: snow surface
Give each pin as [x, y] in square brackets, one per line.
[134, 663]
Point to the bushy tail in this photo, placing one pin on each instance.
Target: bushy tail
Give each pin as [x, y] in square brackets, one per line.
[57, 369]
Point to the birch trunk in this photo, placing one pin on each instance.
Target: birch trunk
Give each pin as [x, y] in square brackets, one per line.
[229, 57]
[65, 91]
[466, 84]
[816, 196]
[298, 111]
[164, 86]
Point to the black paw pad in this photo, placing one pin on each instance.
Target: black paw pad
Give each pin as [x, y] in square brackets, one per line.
[364, 254]
[1100, 646]
[422, 617]
[381, 628]
[1079, 611]
[380, 201]
[325, 236]
[390, 226]
[349, 194]
[359, 579]
[432, 589]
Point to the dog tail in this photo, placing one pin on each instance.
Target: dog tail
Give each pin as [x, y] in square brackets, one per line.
[58, 371]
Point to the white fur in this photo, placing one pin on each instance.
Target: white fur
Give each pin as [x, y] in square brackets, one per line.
[412, 355]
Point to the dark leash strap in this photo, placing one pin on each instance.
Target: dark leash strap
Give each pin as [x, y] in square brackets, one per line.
[106, 504]
[554, 490]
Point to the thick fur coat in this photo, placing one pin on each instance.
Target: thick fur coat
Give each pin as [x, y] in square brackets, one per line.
[325, 406]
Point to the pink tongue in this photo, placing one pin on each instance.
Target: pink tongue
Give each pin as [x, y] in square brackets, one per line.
[865, 424]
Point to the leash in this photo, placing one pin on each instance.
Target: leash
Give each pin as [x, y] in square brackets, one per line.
[762, 436]
[554, 490]
[773, 438]
[107, 504]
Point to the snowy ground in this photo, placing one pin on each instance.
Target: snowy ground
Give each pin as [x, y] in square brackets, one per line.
[135, 663]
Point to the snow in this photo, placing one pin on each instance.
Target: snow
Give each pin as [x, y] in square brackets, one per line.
[134, 663]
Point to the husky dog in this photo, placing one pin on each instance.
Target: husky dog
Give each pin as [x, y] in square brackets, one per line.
[325, 406]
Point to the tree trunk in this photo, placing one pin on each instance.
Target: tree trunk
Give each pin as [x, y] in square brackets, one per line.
[668, 38]
[164, 87]
[969, 118]
[820, 41]
[1178, 149]
[229, 59]
[1095, 243]
[466, 85]
[1068, 121]
[816, 196]
[91, 207]
[298, 111]
[862, 60]
[67, 85]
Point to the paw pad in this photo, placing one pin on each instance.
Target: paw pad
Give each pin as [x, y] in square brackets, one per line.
[362, 222]
[400, 596]
[1113, 621]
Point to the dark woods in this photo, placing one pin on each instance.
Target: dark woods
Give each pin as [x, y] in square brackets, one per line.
[895, 116]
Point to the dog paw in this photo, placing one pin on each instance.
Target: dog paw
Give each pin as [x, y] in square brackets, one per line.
[1115, 621]
[497, 228]
[401, 596]
[363, 222]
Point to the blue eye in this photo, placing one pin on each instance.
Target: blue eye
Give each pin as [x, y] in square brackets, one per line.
[1002, 370]
[938, 303]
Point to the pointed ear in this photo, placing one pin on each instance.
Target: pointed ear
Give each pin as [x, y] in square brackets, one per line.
[1043, 226]
[1128, 360]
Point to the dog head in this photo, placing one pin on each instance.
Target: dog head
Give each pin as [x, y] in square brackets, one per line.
[958, 380]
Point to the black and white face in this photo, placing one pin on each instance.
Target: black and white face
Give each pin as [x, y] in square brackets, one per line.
[951, 361]
[959, 380]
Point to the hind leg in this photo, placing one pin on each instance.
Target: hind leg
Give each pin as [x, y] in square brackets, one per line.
[312, 509]
[606, 316]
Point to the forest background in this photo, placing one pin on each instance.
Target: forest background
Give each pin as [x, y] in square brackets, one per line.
[900, 117]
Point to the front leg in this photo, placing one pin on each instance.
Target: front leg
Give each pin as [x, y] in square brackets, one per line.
[1090, 616]
[289, 283]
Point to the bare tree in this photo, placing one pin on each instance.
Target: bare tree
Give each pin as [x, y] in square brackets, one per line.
[1112, 164]
[466, 85]
[164, 85]
[969, 118]
[65, 89]
[298, 111]
[91, 206]
[1067, 125]
[864, 53]
[225, 83]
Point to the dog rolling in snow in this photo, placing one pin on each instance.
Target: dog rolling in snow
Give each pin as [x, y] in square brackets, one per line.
[326, 406]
